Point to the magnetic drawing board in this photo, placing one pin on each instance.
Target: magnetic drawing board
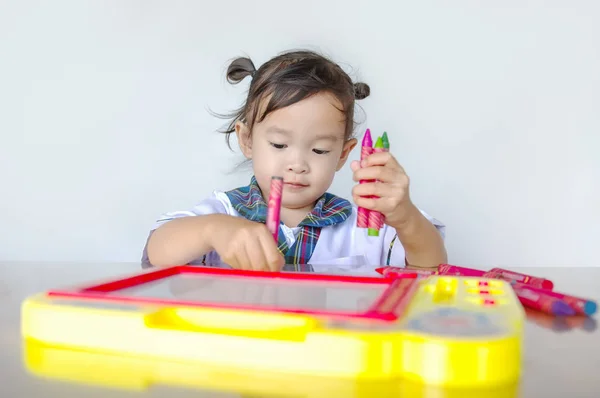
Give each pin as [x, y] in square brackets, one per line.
[258, 292]
[443, 330]
[361, 297]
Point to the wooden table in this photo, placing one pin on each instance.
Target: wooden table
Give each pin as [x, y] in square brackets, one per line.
[561, 357]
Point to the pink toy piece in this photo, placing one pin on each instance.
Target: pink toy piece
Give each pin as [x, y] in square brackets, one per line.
[362, 219]
[274, 206]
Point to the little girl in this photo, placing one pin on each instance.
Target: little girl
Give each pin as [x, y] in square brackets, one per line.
[298, 123]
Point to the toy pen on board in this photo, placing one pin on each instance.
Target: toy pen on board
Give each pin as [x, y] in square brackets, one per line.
[523, 278]
[542, 301]
[362, 219]
[581, 306]
[397, 298]
[274, 206]
[496, 273]
[375, 220]
[393, 271]
[447, 269]
[409, 291]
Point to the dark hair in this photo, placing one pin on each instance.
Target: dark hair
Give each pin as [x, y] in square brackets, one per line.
[289, 78]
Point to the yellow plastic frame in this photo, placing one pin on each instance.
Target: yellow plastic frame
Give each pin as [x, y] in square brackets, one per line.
[299, 345]
[120, 372]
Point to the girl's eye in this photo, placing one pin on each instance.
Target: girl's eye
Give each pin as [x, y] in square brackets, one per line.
[320, 151]
[278, 146]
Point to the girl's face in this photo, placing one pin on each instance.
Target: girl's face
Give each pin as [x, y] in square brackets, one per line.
[303, 143]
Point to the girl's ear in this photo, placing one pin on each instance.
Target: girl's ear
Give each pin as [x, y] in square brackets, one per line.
[348, 146]
[244, 140]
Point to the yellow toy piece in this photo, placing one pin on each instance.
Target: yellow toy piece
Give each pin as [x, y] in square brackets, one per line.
[120, 372]
[455, 332]
[462, 331]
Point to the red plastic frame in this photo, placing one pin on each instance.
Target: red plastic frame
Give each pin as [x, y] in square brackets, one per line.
[385, 308]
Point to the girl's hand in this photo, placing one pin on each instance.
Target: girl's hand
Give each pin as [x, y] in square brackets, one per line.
[387, 190]
[246, 245]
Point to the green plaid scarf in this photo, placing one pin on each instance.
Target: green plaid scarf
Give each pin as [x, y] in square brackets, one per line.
[329, 210]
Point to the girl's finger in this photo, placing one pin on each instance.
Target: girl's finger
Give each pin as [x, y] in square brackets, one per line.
[369, 189]
[369, 203]
[254, 252]
[381, 159]
[239, 261]
[381, 173]
[391, 191]
[273, 258]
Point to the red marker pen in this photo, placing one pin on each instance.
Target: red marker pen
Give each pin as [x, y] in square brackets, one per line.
[362, 219]
[274, 206]
[541, 301]
[579, 305]
[523, 278]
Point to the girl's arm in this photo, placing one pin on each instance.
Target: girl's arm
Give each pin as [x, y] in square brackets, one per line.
[422, 242]
[181, 240]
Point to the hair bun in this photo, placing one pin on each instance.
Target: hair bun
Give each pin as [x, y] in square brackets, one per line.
[239, 69]
[361, 91]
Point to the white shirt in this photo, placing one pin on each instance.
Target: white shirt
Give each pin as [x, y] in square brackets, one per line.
[342, 247]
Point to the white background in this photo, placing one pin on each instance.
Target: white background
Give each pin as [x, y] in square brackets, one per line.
[493, 108]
